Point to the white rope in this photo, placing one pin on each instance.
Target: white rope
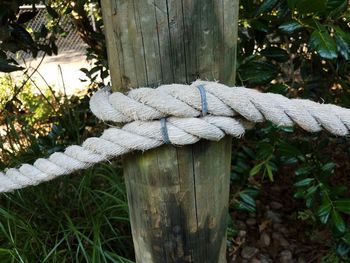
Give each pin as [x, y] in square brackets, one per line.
[229, 110]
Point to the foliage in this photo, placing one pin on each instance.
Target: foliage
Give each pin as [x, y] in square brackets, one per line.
[15, 35]
[304, 46]
[36, 121]
[298, 48]
[36, 224]
[301, 49]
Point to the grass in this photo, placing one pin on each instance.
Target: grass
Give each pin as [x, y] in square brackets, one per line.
[78, 218]
[81, 217]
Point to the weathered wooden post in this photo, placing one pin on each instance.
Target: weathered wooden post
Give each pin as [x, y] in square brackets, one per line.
[178, 196]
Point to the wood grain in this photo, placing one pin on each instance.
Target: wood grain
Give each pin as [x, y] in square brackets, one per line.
[178, 200]
[153, 42]
[178, 196]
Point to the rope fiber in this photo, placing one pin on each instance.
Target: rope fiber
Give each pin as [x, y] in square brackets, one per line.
[180, 115]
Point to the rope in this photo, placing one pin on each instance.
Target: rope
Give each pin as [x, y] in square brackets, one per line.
[180, 115]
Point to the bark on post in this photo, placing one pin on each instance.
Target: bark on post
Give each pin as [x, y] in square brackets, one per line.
[178, 196]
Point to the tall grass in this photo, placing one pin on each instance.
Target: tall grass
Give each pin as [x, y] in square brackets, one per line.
[78, 218]
[81, 217]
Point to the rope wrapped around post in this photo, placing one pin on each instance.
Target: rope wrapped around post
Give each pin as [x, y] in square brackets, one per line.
[180, 115]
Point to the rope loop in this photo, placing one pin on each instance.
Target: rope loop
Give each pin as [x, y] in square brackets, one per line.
[152, 116]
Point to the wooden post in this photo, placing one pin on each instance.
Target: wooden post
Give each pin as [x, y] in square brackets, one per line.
[178, 196]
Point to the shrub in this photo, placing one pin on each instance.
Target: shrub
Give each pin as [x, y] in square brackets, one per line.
[301, 49]
[298, 48]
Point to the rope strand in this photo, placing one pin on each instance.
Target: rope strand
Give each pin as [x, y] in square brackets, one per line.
[203, 110]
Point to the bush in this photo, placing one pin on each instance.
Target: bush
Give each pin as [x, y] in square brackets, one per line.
[36, 223]
[297, 48]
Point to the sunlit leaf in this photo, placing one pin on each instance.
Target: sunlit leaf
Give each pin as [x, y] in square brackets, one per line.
[256, 169]
[290, 27]
[269, 171]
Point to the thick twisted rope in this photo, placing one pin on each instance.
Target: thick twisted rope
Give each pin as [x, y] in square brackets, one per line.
[191, 113]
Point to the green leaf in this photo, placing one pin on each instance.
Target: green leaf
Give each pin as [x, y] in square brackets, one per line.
[264, 150]
[339, 190]
[54, 48]
[258, 72]
[26, 17]
[278, 88]
[291, 4]
[309, 201]
[52, 12]
[245, 207]
[259, 25]
[342, 249]
[342, 47]
[287, 149]
[303, 170]
[311, 191]
[324, 44]
[335, 7]
[256, 169]
[343, 42]
[333, 4]
[338, 221]
[248, 151]
[275, 53]
[310, 6]
[299, 194]
[324, 211]
[247, 202]
[247, 199]
[266, 6]
[269, 171]
[253, 192]
[43, 31]
[346, 238]
[304, 182]
[22, 35]
[342, 205]
[290, 27]
[6, 67]
[4, 251]
[328, 167]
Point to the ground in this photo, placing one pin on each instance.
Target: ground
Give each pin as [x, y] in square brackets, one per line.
[276, 233]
